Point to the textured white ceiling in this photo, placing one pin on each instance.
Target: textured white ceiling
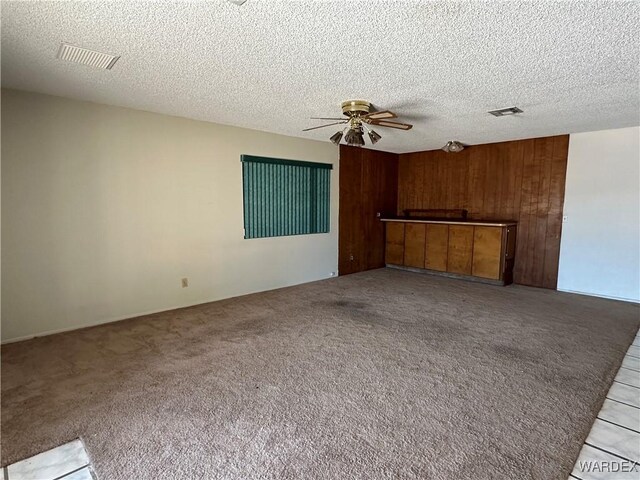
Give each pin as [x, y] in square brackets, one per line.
[269, 65]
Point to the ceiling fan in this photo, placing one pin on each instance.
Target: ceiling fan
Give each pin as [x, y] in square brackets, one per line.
[359, 118]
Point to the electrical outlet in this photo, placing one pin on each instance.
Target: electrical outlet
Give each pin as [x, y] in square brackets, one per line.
[185, 282]
[333, 274]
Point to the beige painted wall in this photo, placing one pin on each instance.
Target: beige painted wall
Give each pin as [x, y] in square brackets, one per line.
[105, 209]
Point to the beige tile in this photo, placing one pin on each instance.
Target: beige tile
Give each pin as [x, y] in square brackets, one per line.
[624, 394]
[620, 414]
[84, 474]
[634, 351]
[631, 363]
[629, 377]
[51, 464]
[616, 440]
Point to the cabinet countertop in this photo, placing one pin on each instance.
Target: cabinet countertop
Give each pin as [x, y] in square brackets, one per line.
[480, 223]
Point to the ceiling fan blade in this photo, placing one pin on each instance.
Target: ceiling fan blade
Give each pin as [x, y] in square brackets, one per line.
[380, 115]
[327, 125]
[326, 118]
[385, 123]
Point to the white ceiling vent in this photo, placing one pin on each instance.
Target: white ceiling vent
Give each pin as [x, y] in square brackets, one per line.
[505, 111]
[88, 57]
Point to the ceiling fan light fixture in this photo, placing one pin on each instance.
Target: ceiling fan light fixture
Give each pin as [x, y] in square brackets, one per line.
[355, 137]
[374, 136]
[359, 117]
[453, 146]
[336, 137]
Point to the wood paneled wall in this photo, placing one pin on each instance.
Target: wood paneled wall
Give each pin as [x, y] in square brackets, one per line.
[368, 187]
[521, 180]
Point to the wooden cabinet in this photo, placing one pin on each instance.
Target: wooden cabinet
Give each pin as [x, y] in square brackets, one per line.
[487, 250]
[460, 249]
[414, 244]
[394, 249]
[481, 250]
[437, 247]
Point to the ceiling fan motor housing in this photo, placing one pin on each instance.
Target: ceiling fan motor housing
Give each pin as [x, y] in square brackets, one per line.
[352, 107]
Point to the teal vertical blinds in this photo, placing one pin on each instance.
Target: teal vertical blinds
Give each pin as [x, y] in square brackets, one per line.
[285, 197]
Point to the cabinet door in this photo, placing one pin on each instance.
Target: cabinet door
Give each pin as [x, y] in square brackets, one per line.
[394, 252]
[460, 249]
[414, 238]
[437, 247]
[487, 252]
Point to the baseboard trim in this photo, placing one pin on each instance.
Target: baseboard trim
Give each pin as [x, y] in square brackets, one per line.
[142, 314]
[590, 294]
[168, 309]
[100, 322]
[436, 273]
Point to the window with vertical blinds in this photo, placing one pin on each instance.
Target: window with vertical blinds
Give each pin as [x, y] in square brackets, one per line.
[285, 197]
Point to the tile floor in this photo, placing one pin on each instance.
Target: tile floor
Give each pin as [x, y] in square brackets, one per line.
[612, 449]
[66, 462]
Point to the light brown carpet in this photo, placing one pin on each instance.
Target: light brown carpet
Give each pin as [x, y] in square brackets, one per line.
[384, 374]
